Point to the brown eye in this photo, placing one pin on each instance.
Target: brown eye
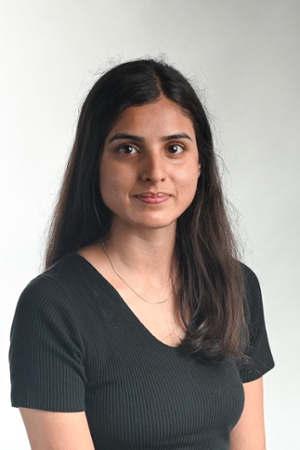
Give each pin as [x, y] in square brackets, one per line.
[175, 149]
[127, 149]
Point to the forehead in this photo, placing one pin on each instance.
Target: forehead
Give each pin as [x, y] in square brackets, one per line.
[160, 118]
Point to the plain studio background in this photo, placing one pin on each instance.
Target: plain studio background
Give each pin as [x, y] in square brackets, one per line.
[245, 55]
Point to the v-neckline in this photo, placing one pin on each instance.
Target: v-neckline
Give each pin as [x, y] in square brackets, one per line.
[130, 313]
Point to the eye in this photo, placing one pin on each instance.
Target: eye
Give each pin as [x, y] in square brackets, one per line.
[127, 149]
[175, 149]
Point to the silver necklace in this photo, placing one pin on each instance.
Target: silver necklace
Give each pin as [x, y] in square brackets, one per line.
[136, 293]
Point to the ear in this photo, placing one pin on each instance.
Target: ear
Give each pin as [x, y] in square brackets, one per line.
[199, 170]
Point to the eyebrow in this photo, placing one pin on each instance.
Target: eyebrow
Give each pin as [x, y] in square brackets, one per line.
[133, 137]
[176, 136]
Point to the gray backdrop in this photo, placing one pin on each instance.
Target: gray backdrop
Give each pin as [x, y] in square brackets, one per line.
[244, 55]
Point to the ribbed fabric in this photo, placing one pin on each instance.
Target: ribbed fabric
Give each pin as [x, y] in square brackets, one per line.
[76, 345]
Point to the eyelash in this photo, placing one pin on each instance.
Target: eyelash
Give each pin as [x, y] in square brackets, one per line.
[181, 146]
[126, 147]
[129, 146]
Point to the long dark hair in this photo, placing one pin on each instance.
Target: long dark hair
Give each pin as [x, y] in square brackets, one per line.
[210, 295]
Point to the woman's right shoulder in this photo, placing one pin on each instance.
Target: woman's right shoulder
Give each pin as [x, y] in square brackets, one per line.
[46, 343]
[55, 286]
[49, 282]
[70, 292]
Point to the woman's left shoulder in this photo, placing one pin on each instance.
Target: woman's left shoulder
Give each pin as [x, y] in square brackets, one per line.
[258, 351]
[250, 277]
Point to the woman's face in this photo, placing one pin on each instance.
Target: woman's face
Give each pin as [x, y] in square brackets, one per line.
[150, 166]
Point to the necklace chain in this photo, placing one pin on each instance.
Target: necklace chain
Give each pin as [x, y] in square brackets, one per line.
[136, 293]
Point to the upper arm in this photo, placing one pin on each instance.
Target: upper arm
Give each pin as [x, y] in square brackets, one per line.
[249, 432]
[56, 430]
[47, 351]
[47, 368]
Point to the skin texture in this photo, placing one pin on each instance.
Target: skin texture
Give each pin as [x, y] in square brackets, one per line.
[150, 161]
[57, 431]
[148, 178]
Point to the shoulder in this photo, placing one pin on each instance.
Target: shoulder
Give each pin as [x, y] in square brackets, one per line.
[69, 292]
[250, 280]
[253, 299]
[258, 351]
[49, 286]
[62, 280]
[47, 315]
[47, 346]
[52, 296]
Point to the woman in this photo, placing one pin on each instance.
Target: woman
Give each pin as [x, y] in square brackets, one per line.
[144, 332]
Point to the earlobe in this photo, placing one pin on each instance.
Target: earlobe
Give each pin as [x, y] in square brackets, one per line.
[199, 170]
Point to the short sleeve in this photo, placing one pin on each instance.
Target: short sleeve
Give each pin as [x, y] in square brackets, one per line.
[259, 353]
[46, 352]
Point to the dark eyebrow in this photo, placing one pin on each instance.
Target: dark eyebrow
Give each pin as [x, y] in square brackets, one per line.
[176, 136]
[133, 137]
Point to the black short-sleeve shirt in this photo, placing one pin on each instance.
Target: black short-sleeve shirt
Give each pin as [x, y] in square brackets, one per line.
[77, 346]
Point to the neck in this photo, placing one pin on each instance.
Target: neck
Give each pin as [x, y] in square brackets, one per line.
[149, 252]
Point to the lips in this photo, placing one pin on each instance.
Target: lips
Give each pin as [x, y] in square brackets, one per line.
[153, 198]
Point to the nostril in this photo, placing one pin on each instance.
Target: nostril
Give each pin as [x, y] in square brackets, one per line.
[152, 175]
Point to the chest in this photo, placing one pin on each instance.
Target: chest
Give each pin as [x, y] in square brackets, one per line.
[143, 394]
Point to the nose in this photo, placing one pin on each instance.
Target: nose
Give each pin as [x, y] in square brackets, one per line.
[153, 167]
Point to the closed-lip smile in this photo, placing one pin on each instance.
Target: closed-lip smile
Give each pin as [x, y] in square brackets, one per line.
[153, 198]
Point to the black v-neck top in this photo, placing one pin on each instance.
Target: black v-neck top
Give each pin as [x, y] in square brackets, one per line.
[77, 346]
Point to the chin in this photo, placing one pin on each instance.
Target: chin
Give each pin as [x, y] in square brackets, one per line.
[145, 221]
[158, 224]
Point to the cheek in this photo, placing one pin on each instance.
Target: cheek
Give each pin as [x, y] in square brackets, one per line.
[114, 183]
[107, 185]
[187, 189]
[188, 178]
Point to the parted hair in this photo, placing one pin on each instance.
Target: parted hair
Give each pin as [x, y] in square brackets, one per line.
[210, 293]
